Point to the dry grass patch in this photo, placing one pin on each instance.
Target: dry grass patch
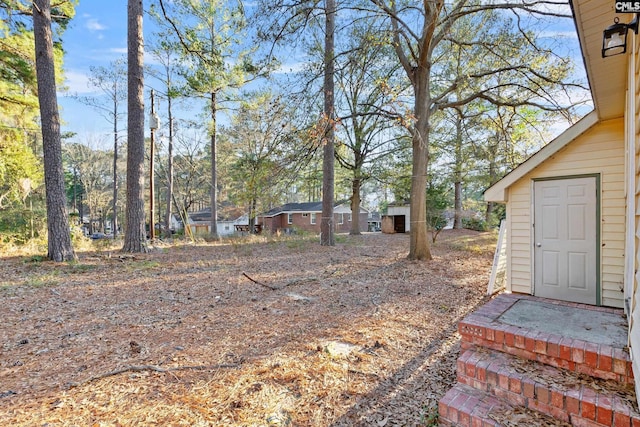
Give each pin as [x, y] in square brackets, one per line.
[262, 332]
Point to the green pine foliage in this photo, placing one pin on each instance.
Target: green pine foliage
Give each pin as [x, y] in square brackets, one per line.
[22, 209]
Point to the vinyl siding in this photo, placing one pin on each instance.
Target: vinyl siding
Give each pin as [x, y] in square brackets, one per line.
[599, 150]
[632, 111]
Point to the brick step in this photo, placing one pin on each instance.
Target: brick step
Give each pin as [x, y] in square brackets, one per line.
[483, 329]
[568, 396]
[465, 406]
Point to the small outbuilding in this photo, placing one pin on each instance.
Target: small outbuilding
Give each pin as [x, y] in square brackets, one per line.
[397, 219]
[573, 208]
[199, 223]
[566, 216]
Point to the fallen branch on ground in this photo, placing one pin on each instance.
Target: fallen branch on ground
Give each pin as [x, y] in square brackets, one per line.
[152, 368]
[273, 288]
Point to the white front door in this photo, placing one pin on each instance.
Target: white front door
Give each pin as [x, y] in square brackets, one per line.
[565, 239]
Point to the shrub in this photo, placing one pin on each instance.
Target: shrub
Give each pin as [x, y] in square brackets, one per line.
[474, 224]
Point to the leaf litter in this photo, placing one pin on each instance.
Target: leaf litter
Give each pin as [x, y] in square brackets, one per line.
[259, 332]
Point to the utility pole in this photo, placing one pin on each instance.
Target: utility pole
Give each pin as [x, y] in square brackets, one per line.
[153, 125]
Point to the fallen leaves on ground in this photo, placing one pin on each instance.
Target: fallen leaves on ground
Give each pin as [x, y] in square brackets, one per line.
[252, 332]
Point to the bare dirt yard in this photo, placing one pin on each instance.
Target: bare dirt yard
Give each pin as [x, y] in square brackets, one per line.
[253, 332]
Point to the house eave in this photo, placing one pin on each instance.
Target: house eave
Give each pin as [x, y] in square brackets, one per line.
[606, 76]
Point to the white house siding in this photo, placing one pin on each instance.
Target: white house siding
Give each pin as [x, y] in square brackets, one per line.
[599, 150]
[632, 122]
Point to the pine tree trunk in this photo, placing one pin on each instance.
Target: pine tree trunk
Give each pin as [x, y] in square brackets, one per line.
[214, 171]
[59, 238]
[114, 221]
[135, 235]
[327, 237]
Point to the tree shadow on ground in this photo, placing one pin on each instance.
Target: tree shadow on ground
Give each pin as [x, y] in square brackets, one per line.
[410, 395]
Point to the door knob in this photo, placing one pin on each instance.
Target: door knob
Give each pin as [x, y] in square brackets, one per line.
[539, 245]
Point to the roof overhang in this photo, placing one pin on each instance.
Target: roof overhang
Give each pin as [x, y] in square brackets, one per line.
[498, 191]
[607, 76]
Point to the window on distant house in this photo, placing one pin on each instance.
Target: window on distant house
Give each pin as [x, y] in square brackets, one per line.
[289, 218]
[313, 218]
[350, 218]
[340, 218]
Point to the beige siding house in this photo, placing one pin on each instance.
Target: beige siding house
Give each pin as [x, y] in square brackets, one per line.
[573, 209]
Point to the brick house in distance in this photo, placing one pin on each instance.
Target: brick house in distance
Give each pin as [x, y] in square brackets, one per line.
[307, 217]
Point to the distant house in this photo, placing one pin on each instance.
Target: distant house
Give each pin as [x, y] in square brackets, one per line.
[307, 217]
[176, 223]
[199, 223]
[397, 219]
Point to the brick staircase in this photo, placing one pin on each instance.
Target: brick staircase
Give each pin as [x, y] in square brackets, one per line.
[512, 375]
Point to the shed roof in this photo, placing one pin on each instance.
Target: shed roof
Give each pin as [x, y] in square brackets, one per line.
[204, 215]
[497, 192]
[607, 80]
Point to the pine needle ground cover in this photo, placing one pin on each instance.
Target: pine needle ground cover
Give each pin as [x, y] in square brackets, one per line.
[254, 333]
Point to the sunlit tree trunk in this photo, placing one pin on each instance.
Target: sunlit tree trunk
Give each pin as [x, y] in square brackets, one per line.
[59, 238]
[420, 247]
[135, 234]
[419, 73]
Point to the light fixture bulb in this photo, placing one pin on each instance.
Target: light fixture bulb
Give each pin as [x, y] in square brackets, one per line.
[615, 41]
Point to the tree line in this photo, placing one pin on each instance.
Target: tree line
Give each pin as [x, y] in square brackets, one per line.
[427, 102]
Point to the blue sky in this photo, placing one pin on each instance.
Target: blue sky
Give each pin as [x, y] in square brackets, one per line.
[96, 36]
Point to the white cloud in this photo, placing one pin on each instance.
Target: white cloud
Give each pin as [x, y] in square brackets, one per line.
[93, 25]
[77, 82]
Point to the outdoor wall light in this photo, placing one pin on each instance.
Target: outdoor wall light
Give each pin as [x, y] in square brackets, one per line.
[614, 37]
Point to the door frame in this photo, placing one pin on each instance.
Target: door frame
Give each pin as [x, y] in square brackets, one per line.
[598, 207]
